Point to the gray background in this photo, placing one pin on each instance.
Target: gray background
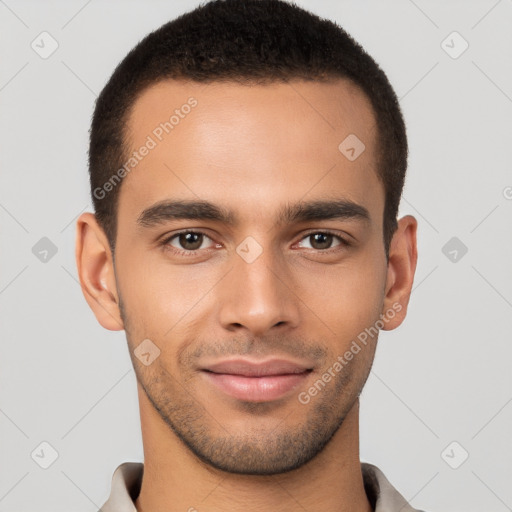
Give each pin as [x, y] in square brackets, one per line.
[443, 376]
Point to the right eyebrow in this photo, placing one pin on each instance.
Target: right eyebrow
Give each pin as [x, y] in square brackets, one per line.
[193, 210]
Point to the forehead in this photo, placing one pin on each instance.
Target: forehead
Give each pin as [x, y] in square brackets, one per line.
[225, 142]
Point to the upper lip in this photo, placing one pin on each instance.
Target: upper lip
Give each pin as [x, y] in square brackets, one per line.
[248, 368]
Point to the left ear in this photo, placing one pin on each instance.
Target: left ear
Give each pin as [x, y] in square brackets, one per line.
[403, 255]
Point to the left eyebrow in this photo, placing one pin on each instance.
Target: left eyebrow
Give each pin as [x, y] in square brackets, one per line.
[323, 210]
[298, 212]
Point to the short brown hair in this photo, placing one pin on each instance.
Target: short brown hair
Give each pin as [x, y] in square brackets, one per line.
[246, 41]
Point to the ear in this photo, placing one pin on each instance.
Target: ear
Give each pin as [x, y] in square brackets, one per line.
[403, 255]
[95, 265]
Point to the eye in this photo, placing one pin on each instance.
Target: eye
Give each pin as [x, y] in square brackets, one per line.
[322, 240]
[187, 241]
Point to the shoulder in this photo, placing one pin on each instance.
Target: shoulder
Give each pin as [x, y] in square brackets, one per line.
[382, 495]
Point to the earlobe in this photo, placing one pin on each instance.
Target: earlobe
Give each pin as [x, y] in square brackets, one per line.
[403, 256]
[96, 272]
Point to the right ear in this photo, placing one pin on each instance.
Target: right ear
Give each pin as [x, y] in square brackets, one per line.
[95, 266]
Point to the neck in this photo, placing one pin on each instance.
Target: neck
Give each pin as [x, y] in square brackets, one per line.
[174, 479]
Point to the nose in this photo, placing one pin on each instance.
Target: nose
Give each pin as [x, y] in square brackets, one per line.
[258, 296]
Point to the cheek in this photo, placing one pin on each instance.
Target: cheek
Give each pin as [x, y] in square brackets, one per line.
[160, 298]
[346, 298]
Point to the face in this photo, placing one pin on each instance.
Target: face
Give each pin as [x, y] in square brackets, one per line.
[250, 253]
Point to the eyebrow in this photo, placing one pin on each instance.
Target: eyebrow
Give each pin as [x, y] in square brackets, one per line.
[167, 210]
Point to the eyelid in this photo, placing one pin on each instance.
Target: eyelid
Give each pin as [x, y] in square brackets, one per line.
[343, 241]
[165, 241]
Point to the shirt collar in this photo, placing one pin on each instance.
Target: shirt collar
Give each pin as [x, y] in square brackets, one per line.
[127, 480]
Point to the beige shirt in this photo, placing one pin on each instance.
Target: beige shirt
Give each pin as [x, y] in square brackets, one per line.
[127, 480]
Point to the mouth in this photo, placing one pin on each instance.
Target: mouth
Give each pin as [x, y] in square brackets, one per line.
[256, 381]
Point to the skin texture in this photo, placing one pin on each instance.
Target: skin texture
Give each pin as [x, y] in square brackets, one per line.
[252, 150]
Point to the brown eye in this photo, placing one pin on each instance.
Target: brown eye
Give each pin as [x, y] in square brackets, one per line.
[322, 240]
[189, 240]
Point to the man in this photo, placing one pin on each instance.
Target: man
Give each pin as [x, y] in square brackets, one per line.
[246, 164]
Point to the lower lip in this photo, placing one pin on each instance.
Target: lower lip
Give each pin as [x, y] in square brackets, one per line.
[256, 389]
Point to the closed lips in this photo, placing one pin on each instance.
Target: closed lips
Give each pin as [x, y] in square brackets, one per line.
[252, 369]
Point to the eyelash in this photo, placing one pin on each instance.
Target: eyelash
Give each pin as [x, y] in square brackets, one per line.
[182, 252]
